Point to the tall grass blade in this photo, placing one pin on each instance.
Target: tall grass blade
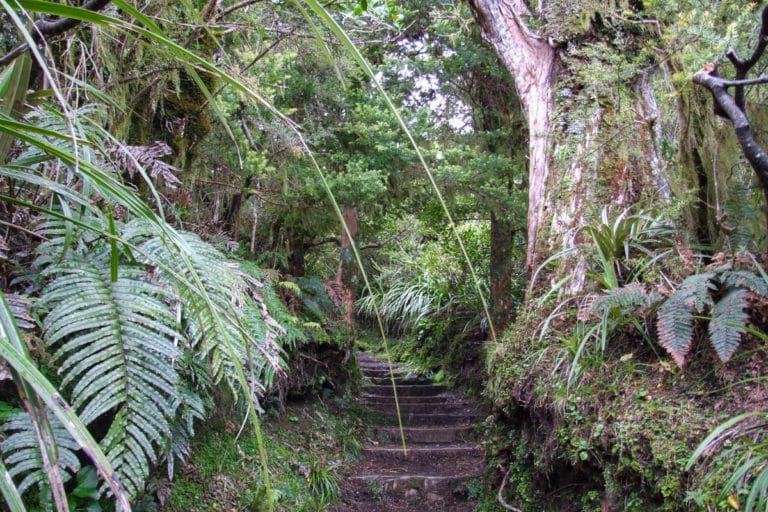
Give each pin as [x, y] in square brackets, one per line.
[9, 491]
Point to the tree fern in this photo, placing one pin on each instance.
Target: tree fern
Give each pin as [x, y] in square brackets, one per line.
[115, 345]
[727, 323]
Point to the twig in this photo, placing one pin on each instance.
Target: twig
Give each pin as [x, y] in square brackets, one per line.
[744, 66]
[25, 230]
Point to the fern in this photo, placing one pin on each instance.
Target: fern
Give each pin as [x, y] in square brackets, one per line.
[676, 315]
[744, 279]
[21, 452]
[728, 315]
[675, 328]
[189, 408]
[230, 295]
[728, 321]
[314, 297]
[115, 345]
[627, 298]
[696, 291]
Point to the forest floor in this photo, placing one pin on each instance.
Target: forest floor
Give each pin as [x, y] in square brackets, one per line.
[310, 444]
[443, 467]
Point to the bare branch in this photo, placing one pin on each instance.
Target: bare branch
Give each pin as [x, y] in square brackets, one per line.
[726, 105]
[47, 28]
[744, 66]
[762, 79]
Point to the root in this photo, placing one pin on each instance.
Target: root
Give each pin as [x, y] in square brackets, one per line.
[500, 496]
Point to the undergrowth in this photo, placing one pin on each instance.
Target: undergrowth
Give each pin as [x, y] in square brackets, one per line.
[308, 445]
[622, 437]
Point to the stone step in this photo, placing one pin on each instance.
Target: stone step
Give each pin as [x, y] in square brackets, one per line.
[371, 374]
[378, 365]
[429, 456]
[405, 390]
[389, 408]
[424, 481]
[423, 420]
[368, 399]
[424, 435]
[400, 380]
[423, 491]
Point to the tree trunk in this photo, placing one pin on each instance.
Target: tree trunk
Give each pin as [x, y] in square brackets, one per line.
[502, 237]
[585, 148]
[297, 257]
[532, 63]
[348, 272]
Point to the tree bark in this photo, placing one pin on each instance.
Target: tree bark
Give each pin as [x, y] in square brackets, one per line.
[347, 274]
[532, 63]
[584, 148]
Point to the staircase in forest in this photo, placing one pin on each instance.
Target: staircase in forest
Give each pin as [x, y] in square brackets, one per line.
[442, 461]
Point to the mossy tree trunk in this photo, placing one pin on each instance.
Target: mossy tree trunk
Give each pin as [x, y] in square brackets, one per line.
[592, 140]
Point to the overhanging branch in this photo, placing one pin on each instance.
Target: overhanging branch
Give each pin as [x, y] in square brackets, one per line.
[45, 29]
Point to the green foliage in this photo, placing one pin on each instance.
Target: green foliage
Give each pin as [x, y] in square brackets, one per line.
[308, 445]
[676, 314]
[618, 239]
[114, 344]
[722, 291]
[21, 453]
[740, 450]
[322, 483]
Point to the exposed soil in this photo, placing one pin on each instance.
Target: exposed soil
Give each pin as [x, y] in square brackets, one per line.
[441, 460]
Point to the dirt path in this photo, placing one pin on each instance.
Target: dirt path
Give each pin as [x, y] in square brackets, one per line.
[442, 462]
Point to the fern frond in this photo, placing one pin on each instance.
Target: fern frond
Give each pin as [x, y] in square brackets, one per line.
[746, 280]
[728, 321]
[224, 345]
[314, 297]
[190, 408]
[628, 298]
[675, 327]
[21, 451]
[115, 344]
[696, 290]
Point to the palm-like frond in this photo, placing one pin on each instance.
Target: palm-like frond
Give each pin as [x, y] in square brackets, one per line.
[223, 345]
[115, 344]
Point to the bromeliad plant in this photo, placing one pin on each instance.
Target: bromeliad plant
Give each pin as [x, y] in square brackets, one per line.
[627, 245]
